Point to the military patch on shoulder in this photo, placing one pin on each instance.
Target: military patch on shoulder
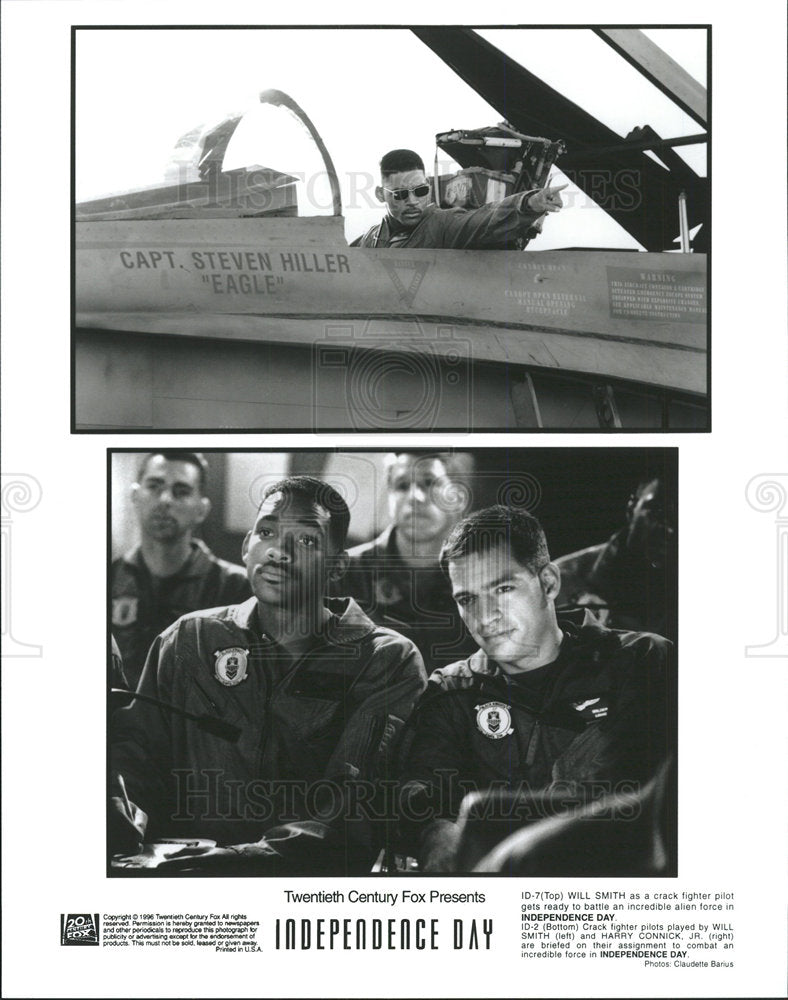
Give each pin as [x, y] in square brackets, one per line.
[124, 611]
[231, 665]
[494, 719]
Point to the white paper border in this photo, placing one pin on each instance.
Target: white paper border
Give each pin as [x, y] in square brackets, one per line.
[732, 716]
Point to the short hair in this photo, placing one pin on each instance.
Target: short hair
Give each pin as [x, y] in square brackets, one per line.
[487, 529]
[456, 463]
[399, 161]
[315, 491]
[194, 458]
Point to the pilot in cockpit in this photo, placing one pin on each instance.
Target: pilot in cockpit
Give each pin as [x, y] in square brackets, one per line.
[413, 219]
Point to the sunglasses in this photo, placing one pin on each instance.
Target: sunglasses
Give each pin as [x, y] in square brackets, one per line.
[400, 194]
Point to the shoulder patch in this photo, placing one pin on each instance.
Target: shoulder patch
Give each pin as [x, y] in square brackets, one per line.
[124, 611]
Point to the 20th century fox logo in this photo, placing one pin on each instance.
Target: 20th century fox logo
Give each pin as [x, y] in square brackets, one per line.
[79, 928]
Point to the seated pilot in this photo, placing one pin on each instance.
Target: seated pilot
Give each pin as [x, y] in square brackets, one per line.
[624, 580]
[549, 712]
[396, 577]
[412, 220]
[171, 571]
[259, 724]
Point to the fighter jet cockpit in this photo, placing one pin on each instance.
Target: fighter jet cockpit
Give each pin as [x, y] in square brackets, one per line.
[266, 161]
[238, 236]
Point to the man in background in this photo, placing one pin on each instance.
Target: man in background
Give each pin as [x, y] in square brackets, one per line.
[412, 220]
[170, 572]
[396, 578]
[627, 581]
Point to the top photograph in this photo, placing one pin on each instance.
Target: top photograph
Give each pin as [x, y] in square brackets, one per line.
[391, 230]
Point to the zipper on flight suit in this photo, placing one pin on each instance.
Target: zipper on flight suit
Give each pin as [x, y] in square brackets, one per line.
[530, 753]
[268, 712]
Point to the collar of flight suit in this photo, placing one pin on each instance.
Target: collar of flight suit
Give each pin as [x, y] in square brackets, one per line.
[347, 624]
[580, 628]
[197, 562]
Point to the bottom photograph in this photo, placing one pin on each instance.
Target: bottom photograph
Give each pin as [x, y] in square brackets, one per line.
[395, 663]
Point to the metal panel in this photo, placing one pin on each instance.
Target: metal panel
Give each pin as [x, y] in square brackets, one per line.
[625, 315]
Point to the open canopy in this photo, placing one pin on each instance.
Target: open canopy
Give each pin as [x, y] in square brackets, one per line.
[642, 195]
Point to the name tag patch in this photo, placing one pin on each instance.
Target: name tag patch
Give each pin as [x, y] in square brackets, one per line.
[591, 708]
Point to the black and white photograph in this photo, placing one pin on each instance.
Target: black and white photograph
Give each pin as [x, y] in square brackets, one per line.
[512, 234]
[344, 651]
[342, 663]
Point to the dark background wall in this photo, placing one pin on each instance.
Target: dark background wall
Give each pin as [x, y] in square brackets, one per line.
[579, 494]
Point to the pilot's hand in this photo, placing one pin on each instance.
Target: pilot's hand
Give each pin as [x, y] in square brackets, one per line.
[547, 200]
[245, 857]
[438, 848]
[126, 822]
